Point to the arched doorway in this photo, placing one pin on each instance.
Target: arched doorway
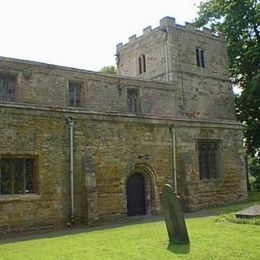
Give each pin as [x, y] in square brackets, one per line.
[136, 195]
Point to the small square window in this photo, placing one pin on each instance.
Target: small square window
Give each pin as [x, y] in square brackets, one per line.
[7, 88]
[208, 159]
[75, 90]
[200, 57]
[133, 102]
[17, 175]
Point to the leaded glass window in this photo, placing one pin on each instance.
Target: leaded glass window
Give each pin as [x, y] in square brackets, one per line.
[208, 159]
[133, 104]
[74, 94]
[7, 88]
[17, 176]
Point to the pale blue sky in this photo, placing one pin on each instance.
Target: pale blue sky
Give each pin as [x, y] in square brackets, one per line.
[80, 33]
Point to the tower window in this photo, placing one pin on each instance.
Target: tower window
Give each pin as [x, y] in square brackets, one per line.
[200, 57]
[142, 64]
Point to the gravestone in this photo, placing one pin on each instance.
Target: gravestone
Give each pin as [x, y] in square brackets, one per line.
[173, 216]
[251, 212]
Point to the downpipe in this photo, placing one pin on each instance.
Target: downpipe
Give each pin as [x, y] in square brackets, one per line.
[173, 131]
[71, 130]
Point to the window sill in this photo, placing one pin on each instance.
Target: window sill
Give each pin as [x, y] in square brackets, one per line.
[74, 107]
[135, 113]
[19, 197]
[211, 182]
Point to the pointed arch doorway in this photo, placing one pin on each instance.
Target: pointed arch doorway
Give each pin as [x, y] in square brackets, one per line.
[136, 195]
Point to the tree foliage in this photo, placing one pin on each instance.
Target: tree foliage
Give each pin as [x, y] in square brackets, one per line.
[254, 170]
[248, 111]
[239, 21]
[109, 70]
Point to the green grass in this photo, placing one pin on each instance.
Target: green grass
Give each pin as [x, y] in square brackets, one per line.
[210, 239]
[227, 214]
[253, 199]
[224, 218]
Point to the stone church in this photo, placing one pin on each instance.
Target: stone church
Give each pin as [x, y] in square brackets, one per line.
[82, 147]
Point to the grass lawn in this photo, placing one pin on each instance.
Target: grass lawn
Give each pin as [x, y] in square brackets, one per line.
[210, 239]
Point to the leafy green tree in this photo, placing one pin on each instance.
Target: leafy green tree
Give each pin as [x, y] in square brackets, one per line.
[254, 171]
[109, 70]
[248, 111]
[239, 21]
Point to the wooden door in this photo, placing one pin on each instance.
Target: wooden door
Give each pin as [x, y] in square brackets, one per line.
[136, 195]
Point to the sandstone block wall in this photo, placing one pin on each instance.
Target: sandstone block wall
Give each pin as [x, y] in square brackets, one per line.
[176, 45]
[28, 132]
[170, 52]
[110, 143]
[231, 184]
[106, 148]
[47, 85]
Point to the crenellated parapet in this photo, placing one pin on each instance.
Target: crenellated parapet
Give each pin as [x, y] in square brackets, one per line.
[169, 22]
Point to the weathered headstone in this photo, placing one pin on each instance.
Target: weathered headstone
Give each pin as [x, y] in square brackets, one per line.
[251, 212]
[173, 216]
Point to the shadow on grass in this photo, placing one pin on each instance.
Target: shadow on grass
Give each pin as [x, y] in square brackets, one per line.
[78, 229]
[179, 248]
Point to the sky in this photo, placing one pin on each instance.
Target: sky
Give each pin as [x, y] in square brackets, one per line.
[79, 33]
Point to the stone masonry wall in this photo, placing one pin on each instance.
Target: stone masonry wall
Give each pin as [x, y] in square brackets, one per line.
[44, 137]
[47, 85]
[111, 145]
[152, 44]
[170, 52]
[230, 186]
[174, 44]
[106, 147]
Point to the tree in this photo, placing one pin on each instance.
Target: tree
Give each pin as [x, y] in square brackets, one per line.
[248, 111]
[109, 70]
[254, 171]
[239, 21]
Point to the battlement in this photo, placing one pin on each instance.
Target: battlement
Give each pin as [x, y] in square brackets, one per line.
[169, 22]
